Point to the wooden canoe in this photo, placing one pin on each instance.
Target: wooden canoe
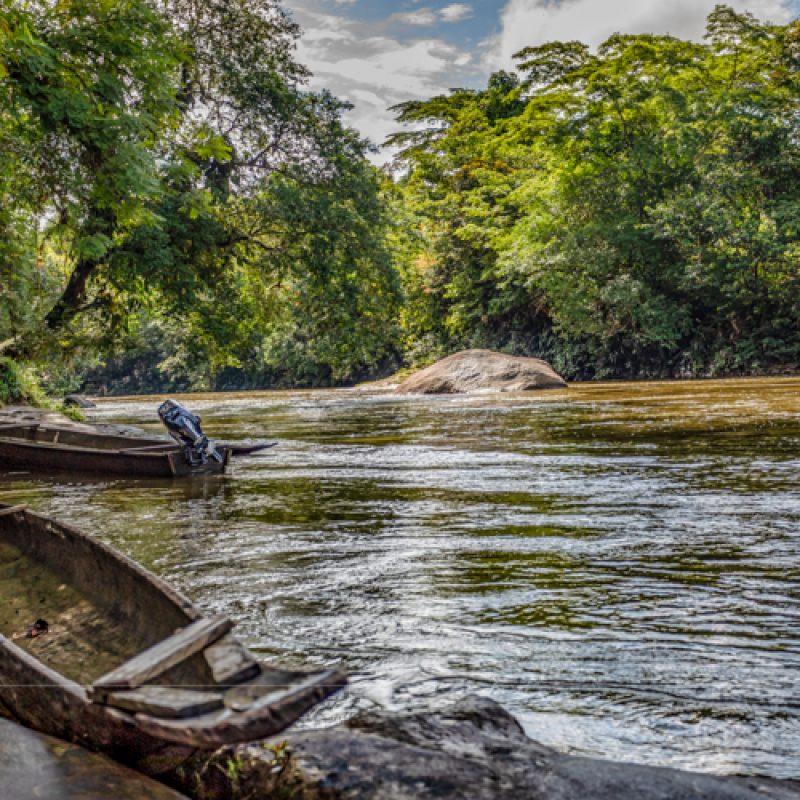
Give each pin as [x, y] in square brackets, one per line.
[128, 666]
[54, 449]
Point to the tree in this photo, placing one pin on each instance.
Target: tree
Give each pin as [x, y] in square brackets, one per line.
[172, 147]
[634, 215]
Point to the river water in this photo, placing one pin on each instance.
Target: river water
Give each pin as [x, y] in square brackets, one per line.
[617, 564]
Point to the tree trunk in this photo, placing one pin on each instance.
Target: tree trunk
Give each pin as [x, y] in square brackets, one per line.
[72, 298]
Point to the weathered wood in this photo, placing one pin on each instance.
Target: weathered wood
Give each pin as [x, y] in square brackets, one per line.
[104, 608]
[12, 509]
[38, 767]
[265, 717]
[166, 701]
[230, 662]
[166, 654]
[149, 447]
[38, 447]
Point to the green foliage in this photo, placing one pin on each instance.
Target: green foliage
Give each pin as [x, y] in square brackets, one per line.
[166, 164]
[19, 385]
[627, 212]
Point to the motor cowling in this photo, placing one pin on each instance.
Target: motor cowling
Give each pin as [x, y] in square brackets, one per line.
[184, 428]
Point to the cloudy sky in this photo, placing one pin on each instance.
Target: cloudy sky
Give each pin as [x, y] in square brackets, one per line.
[375, 53]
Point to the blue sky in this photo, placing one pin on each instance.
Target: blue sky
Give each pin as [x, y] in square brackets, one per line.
[376, 53]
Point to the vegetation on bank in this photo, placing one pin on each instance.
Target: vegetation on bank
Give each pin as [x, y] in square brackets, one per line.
[626, 212]
[179, 211]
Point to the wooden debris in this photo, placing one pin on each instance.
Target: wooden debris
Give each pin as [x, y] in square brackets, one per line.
[165, 701]
[166, 654]
[230, 662]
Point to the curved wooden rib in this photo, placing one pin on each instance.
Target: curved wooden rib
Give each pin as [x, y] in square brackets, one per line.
[266, 717]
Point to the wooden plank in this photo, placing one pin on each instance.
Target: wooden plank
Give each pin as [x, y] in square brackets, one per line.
[166, 654]
[151, 447]
[34, 766]
[230, 662]
[12, 510]
[268, 716]
[165, 701]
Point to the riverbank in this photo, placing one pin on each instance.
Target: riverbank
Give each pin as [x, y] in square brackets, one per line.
[38, 767]
[473, 749]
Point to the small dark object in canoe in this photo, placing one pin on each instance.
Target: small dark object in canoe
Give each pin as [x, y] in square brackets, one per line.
[37, 629]
[52, 449]
[78, 401]
[129, 668]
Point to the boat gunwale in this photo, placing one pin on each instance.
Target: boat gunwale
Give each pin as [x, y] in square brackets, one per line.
[180, 601]
[236, 726]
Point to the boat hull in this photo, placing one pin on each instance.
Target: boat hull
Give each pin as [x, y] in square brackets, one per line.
[59, 696]
[99, 454]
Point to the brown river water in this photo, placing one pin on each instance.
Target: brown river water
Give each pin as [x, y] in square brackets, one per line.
[617, 564]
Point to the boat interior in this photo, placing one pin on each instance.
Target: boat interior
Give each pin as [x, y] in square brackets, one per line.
[134, 643]
[98, 613]
[74, 437]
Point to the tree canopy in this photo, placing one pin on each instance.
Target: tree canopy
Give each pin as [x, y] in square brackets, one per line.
[176, 206]
[629, 211]
[165, 160]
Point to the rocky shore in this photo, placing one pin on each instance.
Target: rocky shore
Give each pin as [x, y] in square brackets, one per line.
[474, 750]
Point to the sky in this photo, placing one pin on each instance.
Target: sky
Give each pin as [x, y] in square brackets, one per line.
[376, 53]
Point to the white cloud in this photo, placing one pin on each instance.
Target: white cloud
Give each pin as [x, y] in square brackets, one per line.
[422, 17]
[455, 12]
[526, 23]
[374, 70]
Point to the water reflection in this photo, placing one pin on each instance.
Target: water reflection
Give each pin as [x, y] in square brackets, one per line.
[618, 564]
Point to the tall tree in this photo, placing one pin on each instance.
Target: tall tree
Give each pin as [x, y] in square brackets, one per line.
[636, 212]
[181, 163]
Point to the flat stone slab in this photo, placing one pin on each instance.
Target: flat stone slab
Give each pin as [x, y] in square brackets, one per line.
[38, 767]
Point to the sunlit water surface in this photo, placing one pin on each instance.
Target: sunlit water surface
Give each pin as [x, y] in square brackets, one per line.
[618, 564]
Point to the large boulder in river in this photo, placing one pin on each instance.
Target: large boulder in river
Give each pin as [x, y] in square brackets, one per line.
[482, 371]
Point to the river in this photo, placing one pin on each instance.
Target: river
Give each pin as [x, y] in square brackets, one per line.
[618, 564]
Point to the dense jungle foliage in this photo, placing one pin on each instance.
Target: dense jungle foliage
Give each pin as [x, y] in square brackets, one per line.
[172, 196]
[178, 210]
[629, 212]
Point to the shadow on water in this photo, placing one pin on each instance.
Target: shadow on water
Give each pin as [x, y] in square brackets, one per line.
[618, 563]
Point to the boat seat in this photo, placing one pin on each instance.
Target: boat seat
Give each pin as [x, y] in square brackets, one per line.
[166, 702]
[231, 662]
[159, 658]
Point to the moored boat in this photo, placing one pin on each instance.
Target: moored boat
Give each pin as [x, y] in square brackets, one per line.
[96, 650]
[52, 449]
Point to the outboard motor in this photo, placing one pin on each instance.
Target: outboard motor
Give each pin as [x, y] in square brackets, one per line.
[184, 428]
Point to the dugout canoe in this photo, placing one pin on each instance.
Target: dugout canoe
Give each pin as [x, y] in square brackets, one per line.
[52, 449]
[128, 666]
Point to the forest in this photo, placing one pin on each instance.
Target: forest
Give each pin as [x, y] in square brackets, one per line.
[178, 211]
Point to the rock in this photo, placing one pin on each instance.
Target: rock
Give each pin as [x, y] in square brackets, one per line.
[34, 766]
[78, 400]
[28, 415]
[472, 750]
[482, 370]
